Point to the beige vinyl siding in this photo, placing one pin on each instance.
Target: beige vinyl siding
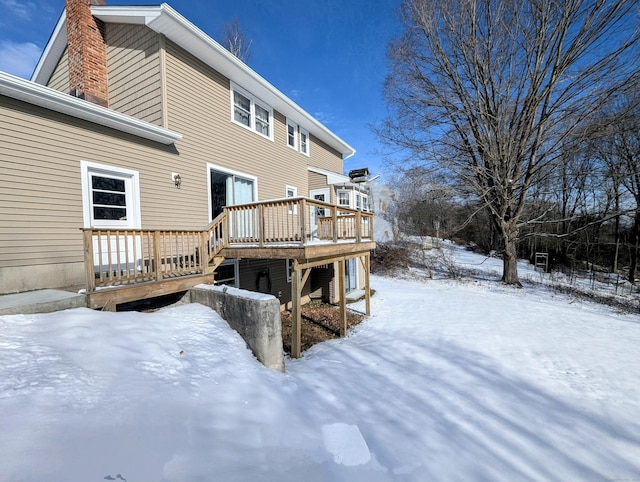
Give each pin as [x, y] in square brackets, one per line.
[199, 106]
[41, 209]
[60, 78]
[319, 181]
[133, 65]
[324, 156]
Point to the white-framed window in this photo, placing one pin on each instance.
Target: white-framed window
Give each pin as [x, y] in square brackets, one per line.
[292, 135]
[365, 203]
[110, 196]
[297, 137]
[292, 191]
[227, 273]
[304, 141]
[344, 198]
[362, 201]
[251, 113]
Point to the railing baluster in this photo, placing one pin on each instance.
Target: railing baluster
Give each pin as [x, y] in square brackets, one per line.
[155, 265]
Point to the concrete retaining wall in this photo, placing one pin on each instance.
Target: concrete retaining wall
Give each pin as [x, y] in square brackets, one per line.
[255, 316]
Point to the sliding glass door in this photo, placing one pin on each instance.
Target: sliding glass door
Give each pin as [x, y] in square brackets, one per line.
[228, 189]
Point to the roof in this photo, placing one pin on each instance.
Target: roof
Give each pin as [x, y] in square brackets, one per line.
[32, 93]
[166, 21]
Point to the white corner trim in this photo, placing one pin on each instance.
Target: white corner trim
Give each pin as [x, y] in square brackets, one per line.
[36, 94]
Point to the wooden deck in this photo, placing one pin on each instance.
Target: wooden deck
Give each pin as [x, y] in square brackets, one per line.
[127, 265]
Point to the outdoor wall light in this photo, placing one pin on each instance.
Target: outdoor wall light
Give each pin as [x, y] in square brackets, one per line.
[177, 180]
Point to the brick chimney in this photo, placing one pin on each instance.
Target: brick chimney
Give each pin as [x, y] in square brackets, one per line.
[87, 52]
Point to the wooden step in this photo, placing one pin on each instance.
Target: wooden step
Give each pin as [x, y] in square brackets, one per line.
[217, 261]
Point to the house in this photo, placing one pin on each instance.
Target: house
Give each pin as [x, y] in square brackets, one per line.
[142, 158]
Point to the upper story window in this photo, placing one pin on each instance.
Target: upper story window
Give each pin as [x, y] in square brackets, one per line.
[251, 113]
[304, 141]
[263, 121]
[297, 137]
[241, 109]
[292, 135]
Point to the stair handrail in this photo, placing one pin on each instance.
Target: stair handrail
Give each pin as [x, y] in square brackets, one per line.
[216, 236]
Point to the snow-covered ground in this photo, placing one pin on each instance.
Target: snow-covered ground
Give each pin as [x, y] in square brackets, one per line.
[447, 380]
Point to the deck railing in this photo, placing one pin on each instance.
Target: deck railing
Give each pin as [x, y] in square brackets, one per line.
[118, 257]
[295, 221]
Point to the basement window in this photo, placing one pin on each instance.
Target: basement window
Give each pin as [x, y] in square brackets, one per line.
[227, 273]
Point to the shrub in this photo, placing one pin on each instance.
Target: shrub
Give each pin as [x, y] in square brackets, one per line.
[388, 257]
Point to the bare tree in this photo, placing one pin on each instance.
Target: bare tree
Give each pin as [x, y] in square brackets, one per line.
[234, 40]
[487, 90]
[619, 146]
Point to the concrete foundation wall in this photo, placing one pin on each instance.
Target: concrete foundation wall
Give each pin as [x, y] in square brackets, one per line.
[255, 316]
[15, 279]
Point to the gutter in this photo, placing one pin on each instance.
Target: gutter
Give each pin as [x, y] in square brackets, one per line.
[36, 94]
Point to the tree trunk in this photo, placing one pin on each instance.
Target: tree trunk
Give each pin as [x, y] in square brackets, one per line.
[510, 256]
[510, 264]
[635, 241]
[616, 235]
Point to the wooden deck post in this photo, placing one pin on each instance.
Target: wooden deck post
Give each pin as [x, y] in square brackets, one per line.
[367, 281]
[343, 298]
[303, 220]
[157, 256]
[296, 313]
[88, 260]
[204, 253]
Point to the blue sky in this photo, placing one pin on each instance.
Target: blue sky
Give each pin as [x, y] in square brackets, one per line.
[327, 55]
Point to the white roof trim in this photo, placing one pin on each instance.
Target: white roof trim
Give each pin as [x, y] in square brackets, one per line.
[36, 94]
[165, 20]
[332, 177]
[52, 52]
